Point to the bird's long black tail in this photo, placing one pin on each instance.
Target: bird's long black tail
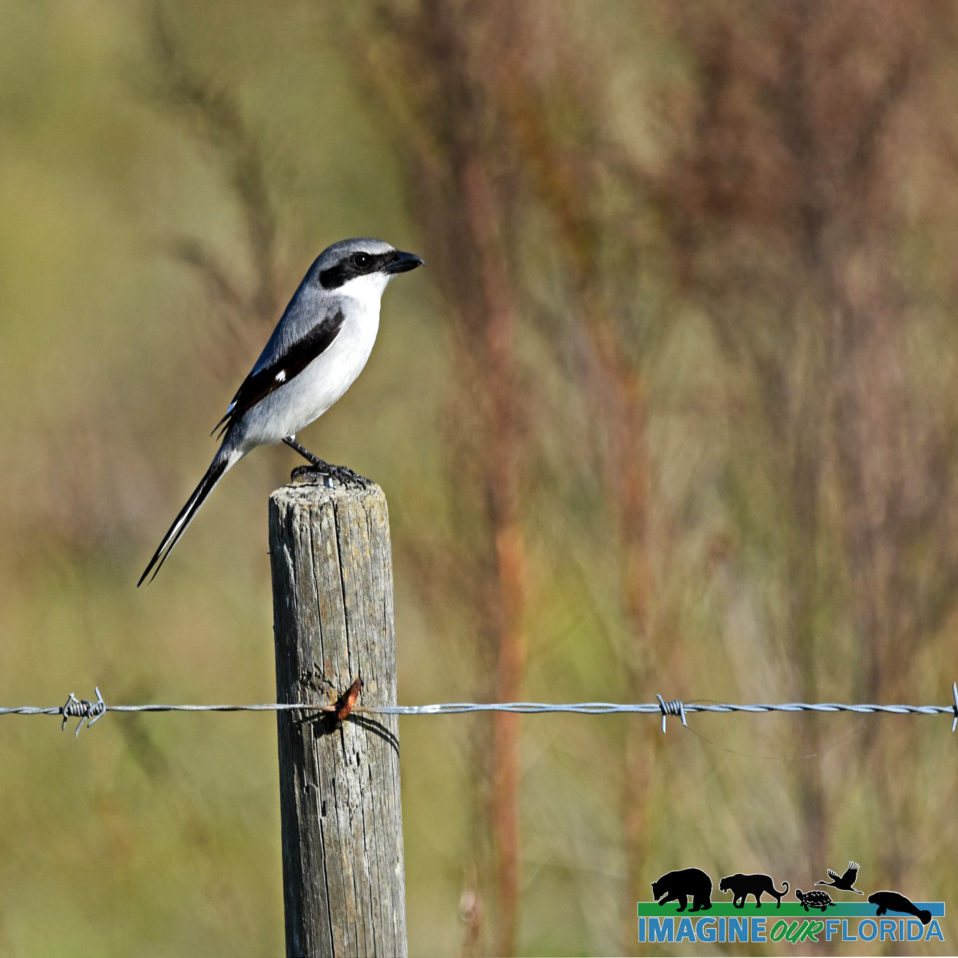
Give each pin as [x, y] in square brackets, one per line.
[222, 461]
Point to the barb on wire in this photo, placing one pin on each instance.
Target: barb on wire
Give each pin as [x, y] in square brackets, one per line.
[83, 709]
[92, 711]
[675, 707]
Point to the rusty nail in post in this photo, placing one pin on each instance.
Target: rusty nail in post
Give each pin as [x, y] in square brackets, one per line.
[346, 701]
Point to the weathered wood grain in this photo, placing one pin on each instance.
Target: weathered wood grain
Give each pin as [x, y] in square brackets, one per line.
[343, 877]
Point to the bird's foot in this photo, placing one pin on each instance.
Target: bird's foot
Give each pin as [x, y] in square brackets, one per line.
[328, 472]
[321, 467]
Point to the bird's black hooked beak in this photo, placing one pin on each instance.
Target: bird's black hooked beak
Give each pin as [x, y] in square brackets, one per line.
[403, 262]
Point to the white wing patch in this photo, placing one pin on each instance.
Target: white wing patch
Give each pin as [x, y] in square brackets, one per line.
[280, 377]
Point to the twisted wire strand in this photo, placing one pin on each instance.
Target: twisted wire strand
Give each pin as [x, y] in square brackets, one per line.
[92, 711]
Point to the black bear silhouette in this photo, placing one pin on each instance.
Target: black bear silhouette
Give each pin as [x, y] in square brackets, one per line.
[893, 901]
[684, 884]
[741, 886]
[843, 882]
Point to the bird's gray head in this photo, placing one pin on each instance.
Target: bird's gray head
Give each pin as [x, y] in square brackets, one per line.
[361, 266]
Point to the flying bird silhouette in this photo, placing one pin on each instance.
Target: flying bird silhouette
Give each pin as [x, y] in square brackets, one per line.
[843, 882]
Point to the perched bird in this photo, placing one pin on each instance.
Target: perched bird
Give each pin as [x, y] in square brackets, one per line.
[315, 353]
[843, 882]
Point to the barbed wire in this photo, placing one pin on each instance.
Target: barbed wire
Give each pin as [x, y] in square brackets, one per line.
[91, 711]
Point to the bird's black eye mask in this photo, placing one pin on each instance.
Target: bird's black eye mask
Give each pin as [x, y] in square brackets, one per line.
[362, 263]
[351, 266]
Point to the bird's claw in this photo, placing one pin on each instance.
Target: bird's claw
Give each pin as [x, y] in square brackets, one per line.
[342, 474]
[346, 476]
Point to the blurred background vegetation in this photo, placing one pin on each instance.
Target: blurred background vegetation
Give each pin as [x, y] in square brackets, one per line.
[671, 410]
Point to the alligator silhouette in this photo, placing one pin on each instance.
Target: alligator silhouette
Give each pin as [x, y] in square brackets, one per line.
[893, 901]
[741, 886]
[684, 884]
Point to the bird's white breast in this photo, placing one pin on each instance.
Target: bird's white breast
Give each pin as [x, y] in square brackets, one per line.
[306, 396]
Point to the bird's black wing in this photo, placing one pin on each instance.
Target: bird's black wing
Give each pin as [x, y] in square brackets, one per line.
[265, 379]
[851, 873]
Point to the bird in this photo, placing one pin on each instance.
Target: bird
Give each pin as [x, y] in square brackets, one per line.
[843, 882]
[318, 348]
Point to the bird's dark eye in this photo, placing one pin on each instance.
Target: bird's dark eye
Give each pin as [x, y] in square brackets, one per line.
[362, 260]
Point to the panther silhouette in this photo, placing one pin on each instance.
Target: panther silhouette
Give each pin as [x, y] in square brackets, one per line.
[741, 886]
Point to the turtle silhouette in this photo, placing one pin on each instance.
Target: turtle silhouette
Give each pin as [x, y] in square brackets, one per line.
[814, 899]
[843, 882]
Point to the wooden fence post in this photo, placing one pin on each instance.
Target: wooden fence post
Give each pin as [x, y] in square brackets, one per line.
[343, 878]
